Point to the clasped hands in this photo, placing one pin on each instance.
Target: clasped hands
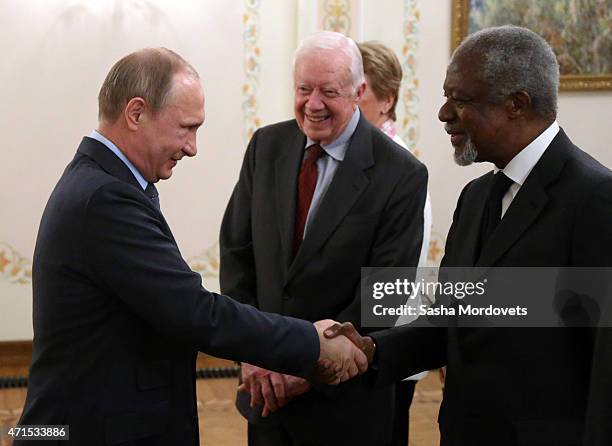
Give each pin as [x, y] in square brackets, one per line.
[343, 355]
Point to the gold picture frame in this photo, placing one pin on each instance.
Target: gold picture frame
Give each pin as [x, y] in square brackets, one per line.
[460, 19]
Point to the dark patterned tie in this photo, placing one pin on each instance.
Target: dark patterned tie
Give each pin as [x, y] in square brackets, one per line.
[492, 212]
[307, 182]
[151, 192]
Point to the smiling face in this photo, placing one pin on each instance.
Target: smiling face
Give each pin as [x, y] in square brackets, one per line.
[325, 98]
[170, 134]
[479, 129]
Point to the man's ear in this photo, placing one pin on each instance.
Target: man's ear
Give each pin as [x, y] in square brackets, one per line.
[360, 91]
[134, 112]
[518, 104]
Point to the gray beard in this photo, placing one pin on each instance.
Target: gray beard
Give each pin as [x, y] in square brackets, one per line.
[468, 155]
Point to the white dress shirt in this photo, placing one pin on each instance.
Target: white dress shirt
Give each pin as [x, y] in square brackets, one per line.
[519, 168]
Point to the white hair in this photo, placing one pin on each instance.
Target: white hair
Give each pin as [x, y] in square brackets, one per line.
[329, 40]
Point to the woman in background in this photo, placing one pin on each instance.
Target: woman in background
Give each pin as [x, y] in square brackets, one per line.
[383, 74]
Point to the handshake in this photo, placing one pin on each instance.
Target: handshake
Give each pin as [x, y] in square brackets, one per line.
[344, 353]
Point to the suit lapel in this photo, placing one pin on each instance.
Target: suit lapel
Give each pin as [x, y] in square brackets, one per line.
[528, 203]
[525, 208]
[347, 185]
[111, 164]
[471, 230]
[286, 172]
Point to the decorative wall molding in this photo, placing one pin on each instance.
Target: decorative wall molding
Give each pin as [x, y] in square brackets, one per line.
[335, 15]
[410, 83]
[18, 270]
[252, 67]
[13, 267]
[343, 16]
[207, 263]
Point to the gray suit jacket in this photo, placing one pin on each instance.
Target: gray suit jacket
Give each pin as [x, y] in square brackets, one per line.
[371, 215]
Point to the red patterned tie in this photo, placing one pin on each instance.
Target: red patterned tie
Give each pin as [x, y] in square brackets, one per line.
[306, 187]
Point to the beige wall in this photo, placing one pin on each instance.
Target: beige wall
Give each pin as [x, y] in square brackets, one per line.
[56, 53]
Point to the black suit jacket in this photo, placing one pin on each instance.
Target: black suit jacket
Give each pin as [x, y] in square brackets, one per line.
[119, 316]
[523, 386]
[371, 215]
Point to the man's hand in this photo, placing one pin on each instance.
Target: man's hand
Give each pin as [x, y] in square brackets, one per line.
[267, 388]
[339, 358]
[294, 386]
[271, 389]
[364, 343]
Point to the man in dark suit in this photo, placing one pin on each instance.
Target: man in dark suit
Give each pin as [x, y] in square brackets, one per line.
[118, 314]
[296, 247]
[515, 386]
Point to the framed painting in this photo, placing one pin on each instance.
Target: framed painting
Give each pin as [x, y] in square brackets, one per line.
[579, 31]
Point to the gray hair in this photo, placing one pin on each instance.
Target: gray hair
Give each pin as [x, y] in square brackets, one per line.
[146, 74]
[515, 59]
[329, 40]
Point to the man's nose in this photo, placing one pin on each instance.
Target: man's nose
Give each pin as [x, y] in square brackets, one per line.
[446, 113]
[314, 101]
[191, 148]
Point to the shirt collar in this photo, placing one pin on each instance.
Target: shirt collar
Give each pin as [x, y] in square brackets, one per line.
[337, 148]
[113, 148]
[523, 162]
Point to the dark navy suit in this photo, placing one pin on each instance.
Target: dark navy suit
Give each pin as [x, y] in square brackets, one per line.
[119, 316]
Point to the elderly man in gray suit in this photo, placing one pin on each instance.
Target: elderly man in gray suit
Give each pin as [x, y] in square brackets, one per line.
[318, 198]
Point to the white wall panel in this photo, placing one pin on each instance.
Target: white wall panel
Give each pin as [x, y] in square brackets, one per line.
[57, 52]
